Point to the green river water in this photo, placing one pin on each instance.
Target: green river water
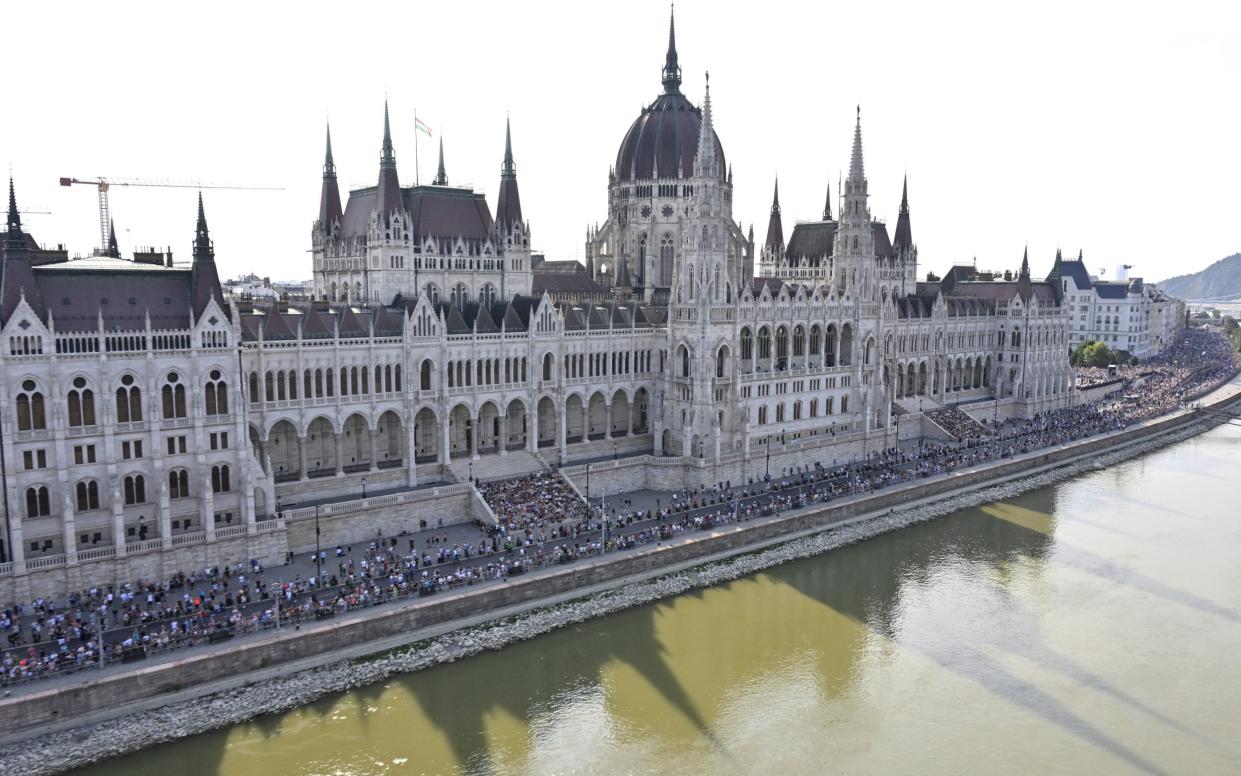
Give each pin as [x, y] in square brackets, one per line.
[1090, 627]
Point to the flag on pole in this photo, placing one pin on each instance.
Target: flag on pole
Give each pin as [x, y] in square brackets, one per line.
[421, 127]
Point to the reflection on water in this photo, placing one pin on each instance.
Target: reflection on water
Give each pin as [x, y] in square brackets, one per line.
[1086, 627]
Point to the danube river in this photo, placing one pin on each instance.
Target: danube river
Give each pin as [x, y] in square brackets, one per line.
[1090, 627]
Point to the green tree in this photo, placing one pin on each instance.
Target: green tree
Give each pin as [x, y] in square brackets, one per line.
[1096, 354]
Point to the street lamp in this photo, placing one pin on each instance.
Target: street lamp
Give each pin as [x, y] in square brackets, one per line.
[615, 454]
[318, 553]
[363, 487]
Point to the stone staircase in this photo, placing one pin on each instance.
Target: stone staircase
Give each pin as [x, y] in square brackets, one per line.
[490, 467]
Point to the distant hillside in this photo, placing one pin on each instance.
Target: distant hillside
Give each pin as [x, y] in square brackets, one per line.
[1221, 279]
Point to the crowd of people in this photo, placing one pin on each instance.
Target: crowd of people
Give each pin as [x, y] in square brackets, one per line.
[956, 422]
[543, 521]
[533, 500]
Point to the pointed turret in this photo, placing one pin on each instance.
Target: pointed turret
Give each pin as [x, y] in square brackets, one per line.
[902, 239]
[706, 163]
[113, 250]
[330, 211]
[775, 227]
[856, 172]
[1024, 289]
[672, 70]
[1056, 266]
[388, 191]
[827, 203]
[204, 279]
[16, 278]
[441, 177]
[508, 203]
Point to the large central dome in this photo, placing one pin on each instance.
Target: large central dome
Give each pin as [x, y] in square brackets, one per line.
[663, 141]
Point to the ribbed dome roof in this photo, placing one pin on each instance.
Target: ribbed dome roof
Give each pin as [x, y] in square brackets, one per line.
[663, 141]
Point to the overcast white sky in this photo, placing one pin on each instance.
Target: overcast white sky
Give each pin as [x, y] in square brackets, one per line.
[1111, 127]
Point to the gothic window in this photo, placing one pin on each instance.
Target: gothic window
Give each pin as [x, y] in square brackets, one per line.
[128, 401]
[782, 347]
[254, 387]
[721, 362]
[178, 483]
[683, 353]
[135, 489]
[433, 293]
[219, 479]
[173, 395]
[814, 340]
[217, 392]
[641, 258]
[665, 259]
[799, 341]
[747, 344]
[38, 501]
[81, 404]
[764, 343]
[87, 495]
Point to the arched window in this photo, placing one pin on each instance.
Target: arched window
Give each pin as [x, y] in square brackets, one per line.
[782, 346]
[30, 408]
[308, 385]
[88, 495]
[128, 401]
[38, 501]
[762, 415]
[814, 340]
[173, 395]
[665, 259]
[764, 343]
[433, 293]
[799, 341]
[178, 483]
[219, 479]
[547, 366]
[684, 354]
[135, 489]
[81, 404]
[217, 392]
[269, 384]
[747, 344]
[254, 387]
[721, 362]
[396, 374]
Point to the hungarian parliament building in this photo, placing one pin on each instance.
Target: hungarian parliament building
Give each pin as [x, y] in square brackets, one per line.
[148, 417]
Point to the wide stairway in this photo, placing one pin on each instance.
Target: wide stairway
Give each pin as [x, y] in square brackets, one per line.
[957, 423]
[490, 467]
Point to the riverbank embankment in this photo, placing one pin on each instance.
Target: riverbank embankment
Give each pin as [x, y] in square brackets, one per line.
[560, 597]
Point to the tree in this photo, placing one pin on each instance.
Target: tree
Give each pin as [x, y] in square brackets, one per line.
[1095, 354]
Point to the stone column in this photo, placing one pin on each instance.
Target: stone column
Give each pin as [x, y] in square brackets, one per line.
[446, 447]
[473, 429]
[411, 456]
[562, 434]
[607, 413]
[503, 435]
[374, 450]
[118, 519]
[337, 437]
[585, 420]
[69, 532]
[165, 516]
[208, 511]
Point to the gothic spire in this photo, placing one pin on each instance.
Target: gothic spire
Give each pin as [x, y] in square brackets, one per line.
[672, 70]
[827, 204]
[204, 280]
[202, 240]
[508, 203]
[1024, 288]
[775, 227]
[441, 177]
[14, 235]
[330, 211]
[508, 170]
[113, 250]
[856, 172]
[1025, 263]
[902, 238]
[705, 164]
[388, 156]
[388, 191]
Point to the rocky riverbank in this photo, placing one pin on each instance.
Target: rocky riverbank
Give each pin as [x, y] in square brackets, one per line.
[58, 752]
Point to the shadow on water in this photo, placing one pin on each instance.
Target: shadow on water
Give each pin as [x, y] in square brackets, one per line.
[861, 586]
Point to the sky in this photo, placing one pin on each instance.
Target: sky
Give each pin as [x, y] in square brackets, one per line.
[1103, 127]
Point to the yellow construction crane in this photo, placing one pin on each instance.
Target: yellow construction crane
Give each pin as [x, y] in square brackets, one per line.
[103, 184]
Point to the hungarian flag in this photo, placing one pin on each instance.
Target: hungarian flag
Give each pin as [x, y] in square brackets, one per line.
[421, 127]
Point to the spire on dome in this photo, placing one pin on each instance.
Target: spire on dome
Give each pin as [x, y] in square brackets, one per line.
[672, 70]
[775, 227]
[441, 177]
[330, 211]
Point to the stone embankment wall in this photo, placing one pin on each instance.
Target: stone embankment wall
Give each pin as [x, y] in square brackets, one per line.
[120, 689]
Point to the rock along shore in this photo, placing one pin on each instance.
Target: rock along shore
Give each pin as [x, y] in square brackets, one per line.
[61, 751]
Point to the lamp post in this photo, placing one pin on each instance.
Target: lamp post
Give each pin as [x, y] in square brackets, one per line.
[318, 554]
[587, 483]
[363, 487]
[615, 453]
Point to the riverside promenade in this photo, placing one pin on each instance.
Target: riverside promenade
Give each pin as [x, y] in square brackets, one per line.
[176, 676]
